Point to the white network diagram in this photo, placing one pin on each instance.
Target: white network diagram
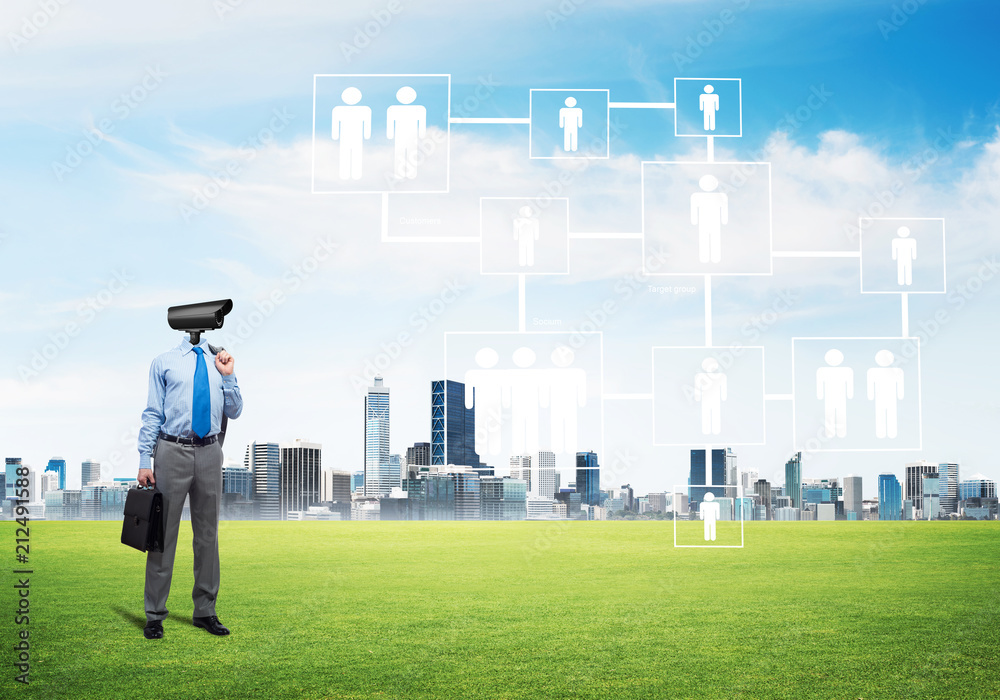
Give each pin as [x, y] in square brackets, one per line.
[849, 394]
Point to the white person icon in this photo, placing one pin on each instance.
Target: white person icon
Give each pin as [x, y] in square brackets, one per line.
[904, 252]
[834, 386]
[526, 232]
[710, 388]
[406, 124]
[708, 103]
[885, 388]
[352, 124]
[710, 512]
[570, 121]
[523, 390]
[709, 212]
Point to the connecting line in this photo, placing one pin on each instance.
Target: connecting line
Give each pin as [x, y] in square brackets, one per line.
[708, 311]
[640, 105]
[816, 253]
[489, 120]
[607, 235]
[711, 150]
[521, 325]
[906, 314]
[386, 238]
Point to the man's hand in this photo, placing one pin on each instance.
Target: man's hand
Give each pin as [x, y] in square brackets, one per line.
[146, 477]
[224, 363]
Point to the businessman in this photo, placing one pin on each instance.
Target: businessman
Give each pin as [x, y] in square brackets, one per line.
[188, 394]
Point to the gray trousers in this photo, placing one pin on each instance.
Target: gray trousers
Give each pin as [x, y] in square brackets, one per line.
[186, 470]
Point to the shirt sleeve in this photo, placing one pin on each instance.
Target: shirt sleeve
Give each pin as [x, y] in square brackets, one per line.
[233, 406]
[153, 416]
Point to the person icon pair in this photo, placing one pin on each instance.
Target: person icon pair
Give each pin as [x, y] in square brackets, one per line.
[835, 387]
[406, 124]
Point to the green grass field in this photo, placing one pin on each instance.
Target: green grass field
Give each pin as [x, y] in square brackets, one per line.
[522, 610]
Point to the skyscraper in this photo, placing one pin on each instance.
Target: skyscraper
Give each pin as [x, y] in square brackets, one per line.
[852, 497]
[377, 440]
[237, 480]
[912, 480]
[930, 488]
[301, 467]
[467, 495]
[545, 472]
[58, 465]
[762, 488]
[948, 474]
[701, 475]
[418, 456]
[90, 471]
[263, 459]
[453, 426]
[731, 473]
[890, 497]
[977, 486]
[588, 478]
[336, 486]
[793, 479]
[520, 468]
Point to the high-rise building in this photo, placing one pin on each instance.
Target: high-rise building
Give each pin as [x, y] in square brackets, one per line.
[588, 478]
[793, 479]
[58, 465]
[912, 480]
[263, 459]
[657, 502]
[238, 480]
[852, 496]
[717, 476]
[102, 501]
[977, 486]
[501, 498]
[9, 478]
[748, 479]
[467, 495]
[546, 483]
[301, 466]
[63, 505]
[418, 456]
[90, 472]
[930, 490]
[731, 473]
[336, 486]
[49, 482]
[762, 488]
[394, 475]
[453, 426]
[358, 482]
[377, 482]
[520, 468]
[431, 496]
[890, 497]
[948, 476]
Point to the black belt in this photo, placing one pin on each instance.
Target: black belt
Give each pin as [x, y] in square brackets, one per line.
[200, 442]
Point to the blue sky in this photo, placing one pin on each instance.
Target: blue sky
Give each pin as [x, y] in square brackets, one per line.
[213, 83]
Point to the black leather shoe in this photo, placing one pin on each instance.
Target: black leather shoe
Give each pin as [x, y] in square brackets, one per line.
[211, 624]
[153, 630]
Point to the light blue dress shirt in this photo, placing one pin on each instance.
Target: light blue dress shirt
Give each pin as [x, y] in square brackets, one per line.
[171, 395]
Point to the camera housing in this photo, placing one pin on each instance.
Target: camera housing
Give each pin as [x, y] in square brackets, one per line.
[198, 318]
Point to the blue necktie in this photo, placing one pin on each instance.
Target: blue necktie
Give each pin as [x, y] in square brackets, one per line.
[201, 405]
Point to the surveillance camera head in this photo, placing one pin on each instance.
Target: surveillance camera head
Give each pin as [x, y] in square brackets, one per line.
[198, 318]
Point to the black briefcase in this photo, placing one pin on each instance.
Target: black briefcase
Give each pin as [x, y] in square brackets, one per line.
[143, 524]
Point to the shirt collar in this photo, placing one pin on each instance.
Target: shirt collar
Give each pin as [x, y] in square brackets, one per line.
[185, 346]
